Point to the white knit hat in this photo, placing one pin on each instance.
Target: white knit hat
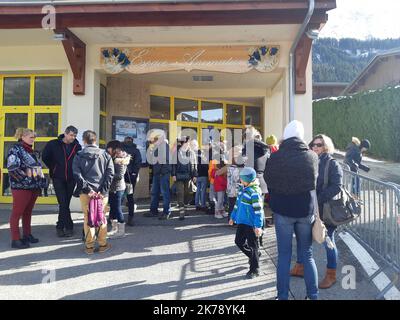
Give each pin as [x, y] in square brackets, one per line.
[294, 129]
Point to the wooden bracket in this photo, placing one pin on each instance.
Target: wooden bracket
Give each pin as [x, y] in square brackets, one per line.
[302, 56]
[75, 50]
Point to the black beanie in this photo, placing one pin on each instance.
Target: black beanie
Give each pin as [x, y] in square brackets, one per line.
[365, 144]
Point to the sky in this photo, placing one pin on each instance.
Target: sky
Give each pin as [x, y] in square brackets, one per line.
[362, 19]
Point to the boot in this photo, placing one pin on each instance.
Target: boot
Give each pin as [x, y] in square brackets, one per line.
[182, 214]
[329, 280]
[298, 270]
[130, 221]
[114, 228]
[120, 231]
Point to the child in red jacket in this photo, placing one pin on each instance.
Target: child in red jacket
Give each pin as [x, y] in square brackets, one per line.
[220, 182]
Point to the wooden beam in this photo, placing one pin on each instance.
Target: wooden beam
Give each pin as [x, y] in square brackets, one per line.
[75, 50]
[302, 56]
[323, 5]
[83, 20]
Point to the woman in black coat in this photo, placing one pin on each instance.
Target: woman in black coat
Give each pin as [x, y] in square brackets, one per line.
[324, 148]
[291, 175]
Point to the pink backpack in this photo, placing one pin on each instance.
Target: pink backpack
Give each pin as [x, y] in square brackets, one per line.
[96, 216]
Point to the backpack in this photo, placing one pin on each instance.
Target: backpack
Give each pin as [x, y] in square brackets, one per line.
[343, 209]
[96, 217]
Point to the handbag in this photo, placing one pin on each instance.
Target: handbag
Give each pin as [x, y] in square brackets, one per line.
[319, 231]
[192, 186]
[342, 209]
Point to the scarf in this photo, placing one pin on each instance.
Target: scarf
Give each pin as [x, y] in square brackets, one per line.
[27, 147]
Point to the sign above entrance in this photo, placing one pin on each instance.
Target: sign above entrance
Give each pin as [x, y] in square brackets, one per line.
[230, 59]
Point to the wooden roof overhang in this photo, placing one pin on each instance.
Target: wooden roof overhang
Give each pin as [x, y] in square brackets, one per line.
[142, 14]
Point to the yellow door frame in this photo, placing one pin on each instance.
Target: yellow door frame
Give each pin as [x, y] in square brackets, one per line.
[32, 110]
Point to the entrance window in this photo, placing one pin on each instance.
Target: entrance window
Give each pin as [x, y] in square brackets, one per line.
[162, 126]
[253, 116]
[188, 132]
[212, 112]
[29, 101]
[16, 91]
[46, 124]
[14, 121]
[234, 114]
[160, 107]
[186, 110]
[48, 91]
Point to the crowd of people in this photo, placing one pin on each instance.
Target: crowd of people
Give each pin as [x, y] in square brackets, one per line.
[242, 181]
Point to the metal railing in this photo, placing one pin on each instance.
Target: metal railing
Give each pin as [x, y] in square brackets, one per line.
[378, 226]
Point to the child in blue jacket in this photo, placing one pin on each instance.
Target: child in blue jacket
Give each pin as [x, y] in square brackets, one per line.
[248, 214]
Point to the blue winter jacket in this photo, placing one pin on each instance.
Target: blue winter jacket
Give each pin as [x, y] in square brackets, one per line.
[249, 206]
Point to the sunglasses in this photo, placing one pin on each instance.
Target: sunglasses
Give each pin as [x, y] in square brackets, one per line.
[319, 145]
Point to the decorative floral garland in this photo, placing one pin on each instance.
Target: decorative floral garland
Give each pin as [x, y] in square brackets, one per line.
[115, 60]
[264, 58]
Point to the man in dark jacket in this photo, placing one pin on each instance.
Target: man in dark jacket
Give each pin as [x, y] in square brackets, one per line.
[158, 157]
[58, 156]
[184, 169]
[291, 175]
[131, 175]
[353, 159]
[93, 172]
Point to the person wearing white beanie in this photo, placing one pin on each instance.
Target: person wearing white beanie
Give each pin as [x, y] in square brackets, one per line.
[291, 175]
[294, 129]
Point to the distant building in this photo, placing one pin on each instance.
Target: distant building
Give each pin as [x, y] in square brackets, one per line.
[328, 89]
[383, 70]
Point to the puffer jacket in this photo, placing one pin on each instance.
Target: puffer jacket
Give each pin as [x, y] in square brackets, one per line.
[93, 171]
[291, 174]
[249, 205]
[121, 162]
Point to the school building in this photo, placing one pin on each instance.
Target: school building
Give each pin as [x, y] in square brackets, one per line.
[124, 67]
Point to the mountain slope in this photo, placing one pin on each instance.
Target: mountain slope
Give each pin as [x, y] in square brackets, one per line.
[342, 60]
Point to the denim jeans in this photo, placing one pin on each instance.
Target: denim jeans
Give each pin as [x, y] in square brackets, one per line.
[160, 185]
[200, 199]
[355, 185]
[302, 227]
[115, 200]
[331, 254]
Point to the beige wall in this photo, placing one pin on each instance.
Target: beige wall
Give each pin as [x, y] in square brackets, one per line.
[273, 110]
[386, 73]
[129, 98]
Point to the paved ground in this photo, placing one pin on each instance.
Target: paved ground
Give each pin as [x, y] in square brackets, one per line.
[193, 259]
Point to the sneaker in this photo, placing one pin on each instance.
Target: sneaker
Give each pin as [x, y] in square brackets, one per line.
[60, 233]
[104, 248]
[29, 239]
[252, 274]
[89, 250]
[18, 244]
[69, 233]
[218, 216]
[163, 216]
[225, 214]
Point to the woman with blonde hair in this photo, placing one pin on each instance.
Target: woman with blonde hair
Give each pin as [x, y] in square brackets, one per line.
[323, 146]
[27, 180]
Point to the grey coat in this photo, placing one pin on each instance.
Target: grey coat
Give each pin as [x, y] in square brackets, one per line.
[121, 163]
[93, 170]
